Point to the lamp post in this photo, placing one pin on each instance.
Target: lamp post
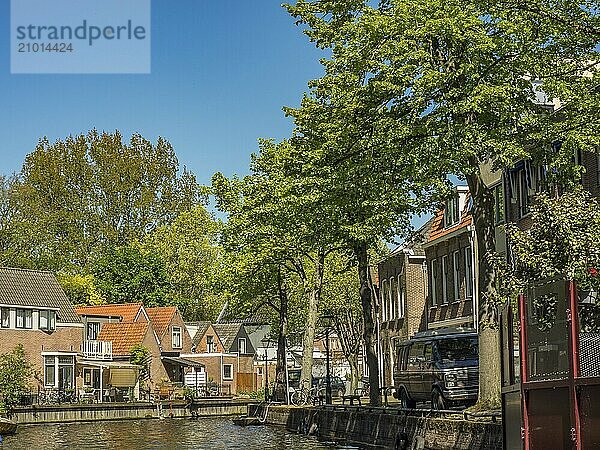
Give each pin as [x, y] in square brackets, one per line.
[266, 341]
[327, 319]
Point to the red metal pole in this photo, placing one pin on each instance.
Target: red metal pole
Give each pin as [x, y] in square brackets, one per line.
[574, 339]
[524, 371]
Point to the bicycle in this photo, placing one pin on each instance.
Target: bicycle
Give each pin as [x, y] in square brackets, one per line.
[304, 396]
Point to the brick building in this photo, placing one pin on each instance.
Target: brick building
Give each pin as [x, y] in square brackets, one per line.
[402, 282]
[450, 251]
[112, 331]
[207, 348]
[36, 313]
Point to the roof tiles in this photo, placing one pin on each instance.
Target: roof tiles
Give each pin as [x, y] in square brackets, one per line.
[35, 288]
[124, 336]
[127, 311]
[161, 318]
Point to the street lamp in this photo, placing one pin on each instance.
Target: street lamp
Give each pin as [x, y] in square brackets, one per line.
[327, 318]
[266, 341]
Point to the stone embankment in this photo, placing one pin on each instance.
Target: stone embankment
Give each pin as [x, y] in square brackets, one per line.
[385, 427]
[120, 411]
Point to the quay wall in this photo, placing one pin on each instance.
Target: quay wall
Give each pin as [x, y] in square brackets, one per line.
[119, 411]
[385, 428]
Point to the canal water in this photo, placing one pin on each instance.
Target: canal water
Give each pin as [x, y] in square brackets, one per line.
[203, 433]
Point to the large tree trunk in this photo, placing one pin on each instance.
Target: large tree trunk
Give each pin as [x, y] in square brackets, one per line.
[354, 376]
[368, 308]
[280, 389]
[314, 298]
[489, 333]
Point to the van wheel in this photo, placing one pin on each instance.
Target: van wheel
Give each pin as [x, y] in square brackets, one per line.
[406, 402]
[437, 400]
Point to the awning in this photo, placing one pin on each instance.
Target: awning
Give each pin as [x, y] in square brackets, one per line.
[181, 361]
[109, 364]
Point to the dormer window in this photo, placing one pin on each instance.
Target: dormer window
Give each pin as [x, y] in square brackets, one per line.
[5, 323]
[24, 319]
[176, 337]
[47, 320]
[451, 212]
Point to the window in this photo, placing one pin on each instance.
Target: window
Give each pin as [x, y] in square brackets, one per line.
[433, 283]
[66, 372]
[400, 298]
[49, 371]
[210, 344]
[93, 330]
[499, 204]
[47, 320]
[393, 303]
[176, 337]
[524, 199]
[242, 346]
[24, 319]
[5, 323]
[228, 371]
[384, 300]
[468, 273]
[451, 213]
[445, 278]
[456, 268]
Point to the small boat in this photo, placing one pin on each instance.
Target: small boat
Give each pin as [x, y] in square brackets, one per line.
[7, 427]
[245, 421]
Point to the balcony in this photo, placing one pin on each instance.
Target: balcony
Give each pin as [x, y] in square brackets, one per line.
[98, 350]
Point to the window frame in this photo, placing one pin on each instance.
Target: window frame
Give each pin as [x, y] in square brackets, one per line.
[225, 378]
[451, 212]
[176, 331]
[90, 326]
[4, 310]
[50, 317]
[401, 306]
[468, 273]
[444, 270]
[433, 282]
[499, 205]
[240, 340]
[456, 272]
[27, 314]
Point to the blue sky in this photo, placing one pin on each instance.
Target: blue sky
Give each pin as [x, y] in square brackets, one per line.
[221, 72]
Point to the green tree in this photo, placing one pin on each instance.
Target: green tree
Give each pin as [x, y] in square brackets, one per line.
[129, 274]
[192, 257]
[80, 289]
[76, 197]
[15, 373]
[454, 81]
[563, 242]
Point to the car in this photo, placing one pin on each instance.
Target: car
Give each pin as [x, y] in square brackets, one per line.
[441, 366]
[338, 387]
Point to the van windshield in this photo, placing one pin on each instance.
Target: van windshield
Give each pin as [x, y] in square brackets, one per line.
[458, 349]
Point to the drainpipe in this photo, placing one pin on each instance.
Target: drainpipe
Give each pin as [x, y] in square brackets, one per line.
[474, 275]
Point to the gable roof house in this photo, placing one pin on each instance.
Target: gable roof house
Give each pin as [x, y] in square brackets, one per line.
[222, 366]
[452, 264]
[402, 281]
[111, 331]
[36, 313]
[174, 341]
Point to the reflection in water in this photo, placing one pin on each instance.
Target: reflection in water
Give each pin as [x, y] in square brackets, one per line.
[204, 433]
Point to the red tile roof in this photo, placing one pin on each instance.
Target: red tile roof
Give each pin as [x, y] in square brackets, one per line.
[128, 311]
[123, 335]
[161, 318]
[437, 226]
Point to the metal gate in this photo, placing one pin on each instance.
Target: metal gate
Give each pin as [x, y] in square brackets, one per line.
[551, 369]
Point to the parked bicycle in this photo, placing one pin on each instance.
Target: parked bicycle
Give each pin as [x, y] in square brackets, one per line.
[305, 396]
